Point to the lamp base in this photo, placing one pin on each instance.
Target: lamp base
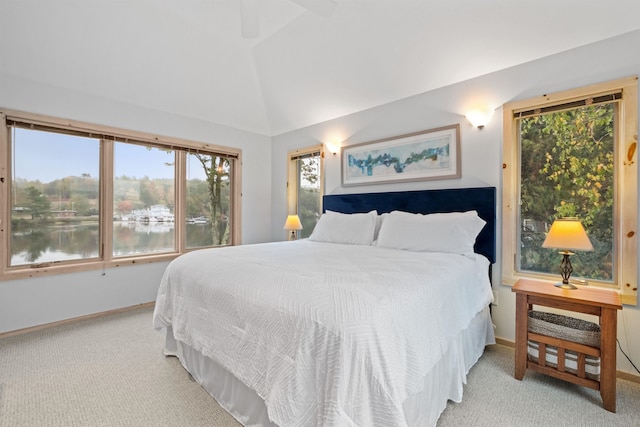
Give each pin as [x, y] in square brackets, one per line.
[565, 271]
[565, 286]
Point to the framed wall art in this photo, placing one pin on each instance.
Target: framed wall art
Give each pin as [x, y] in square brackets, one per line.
[424, 155]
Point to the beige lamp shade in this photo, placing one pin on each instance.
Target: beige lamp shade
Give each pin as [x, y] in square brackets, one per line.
[292, 223]
[567, 234]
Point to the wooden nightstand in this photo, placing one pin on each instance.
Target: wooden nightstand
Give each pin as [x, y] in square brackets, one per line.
[599, 302]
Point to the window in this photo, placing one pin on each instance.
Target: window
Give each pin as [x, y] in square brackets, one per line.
[208, 204]
[305, 187]
[572, 154]
[54, 204]
[77, 196]
[143, 199]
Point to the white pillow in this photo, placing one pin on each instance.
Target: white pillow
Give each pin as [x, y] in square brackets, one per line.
[379, 221]
[354, 229]
[453, 232]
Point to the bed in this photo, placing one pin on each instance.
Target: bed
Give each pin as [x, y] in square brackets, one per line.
[341, 329]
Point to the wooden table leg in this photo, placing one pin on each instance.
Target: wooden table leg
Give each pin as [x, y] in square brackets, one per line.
[522, 313]
[608, 334]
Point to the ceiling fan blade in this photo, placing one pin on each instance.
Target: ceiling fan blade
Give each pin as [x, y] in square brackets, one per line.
[320, 7]
[249, 19]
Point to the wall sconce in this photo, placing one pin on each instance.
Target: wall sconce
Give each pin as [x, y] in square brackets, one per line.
[333, 148]
[292, 225]
[479, 118]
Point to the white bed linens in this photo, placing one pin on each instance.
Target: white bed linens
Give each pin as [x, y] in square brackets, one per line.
[326, 334]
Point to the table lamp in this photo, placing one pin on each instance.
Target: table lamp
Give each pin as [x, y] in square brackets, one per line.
[567, 234]
[292, 224]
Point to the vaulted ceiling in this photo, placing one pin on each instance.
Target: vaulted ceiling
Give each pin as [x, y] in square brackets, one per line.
[188, 57]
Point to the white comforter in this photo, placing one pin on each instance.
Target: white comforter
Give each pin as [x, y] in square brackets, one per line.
[326, 334]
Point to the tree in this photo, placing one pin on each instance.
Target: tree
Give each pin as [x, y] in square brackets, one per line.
[309, 201]
[37, 203]
[149, 194]
[309, 170]
[567, 170]
[197, 198]
[217, 171]
[81, 205]
[124, 207]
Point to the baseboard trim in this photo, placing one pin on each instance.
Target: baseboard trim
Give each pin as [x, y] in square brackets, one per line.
[74, 320]
[619, 374]
[505, 343]
[628, 376]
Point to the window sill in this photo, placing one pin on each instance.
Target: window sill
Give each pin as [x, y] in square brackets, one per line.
[24, 272]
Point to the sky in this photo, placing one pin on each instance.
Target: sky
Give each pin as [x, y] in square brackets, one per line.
[48, 156]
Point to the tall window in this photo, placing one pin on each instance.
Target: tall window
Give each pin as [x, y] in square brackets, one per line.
[76, 196]
[567, 170]
[573, 155]
[305, 187]
[208, 207]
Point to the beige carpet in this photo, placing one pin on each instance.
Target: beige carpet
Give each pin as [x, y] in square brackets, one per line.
[111, 372]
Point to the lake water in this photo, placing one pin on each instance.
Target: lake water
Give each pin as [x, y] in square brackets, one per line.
[53, 243]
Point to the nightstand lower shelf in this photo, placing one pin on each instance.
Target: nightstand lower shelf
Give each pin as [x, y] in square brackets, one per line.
[598, 302]
[561, 370]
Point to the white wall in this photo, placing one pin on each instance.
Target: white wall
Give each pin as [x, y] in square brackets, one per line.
[25, 303]
[481, 149]
[29, 302]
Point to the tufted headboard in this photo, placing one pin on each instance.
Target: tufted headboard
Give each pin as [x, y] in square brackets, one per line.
[481, 199]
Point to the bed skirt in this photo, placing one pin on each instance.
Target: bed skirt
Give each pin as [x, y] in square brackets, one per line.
[443, 383]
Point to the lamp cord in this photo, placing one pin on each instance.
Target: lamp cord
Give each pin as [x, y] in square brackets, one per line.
[624, 329]
[625, 355]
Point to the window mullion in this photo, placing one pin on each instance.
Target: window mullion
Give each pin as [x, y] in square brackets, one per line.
[5, 192]
[180, 210]
[236, 200]
[106, 200]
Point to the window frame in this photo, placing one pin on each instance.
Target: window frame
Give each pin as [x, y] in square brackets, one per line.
[108, 136]
[625, 182]
[292, 175]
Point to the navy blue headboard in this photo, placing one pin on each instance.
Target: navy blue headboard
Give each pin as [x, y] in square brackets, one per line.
[482, 199]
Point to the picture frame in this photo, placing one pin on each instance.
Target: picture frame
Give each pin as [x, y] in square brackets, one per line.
[418, 156]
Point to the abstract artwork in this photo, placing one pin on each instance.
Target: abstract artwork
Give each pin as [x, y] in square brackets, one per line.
[424, 155]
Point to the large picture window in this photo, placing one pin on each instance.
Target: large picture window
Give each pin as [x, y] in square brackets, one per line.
[76, 196]
[572, 155]
[54, 204]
